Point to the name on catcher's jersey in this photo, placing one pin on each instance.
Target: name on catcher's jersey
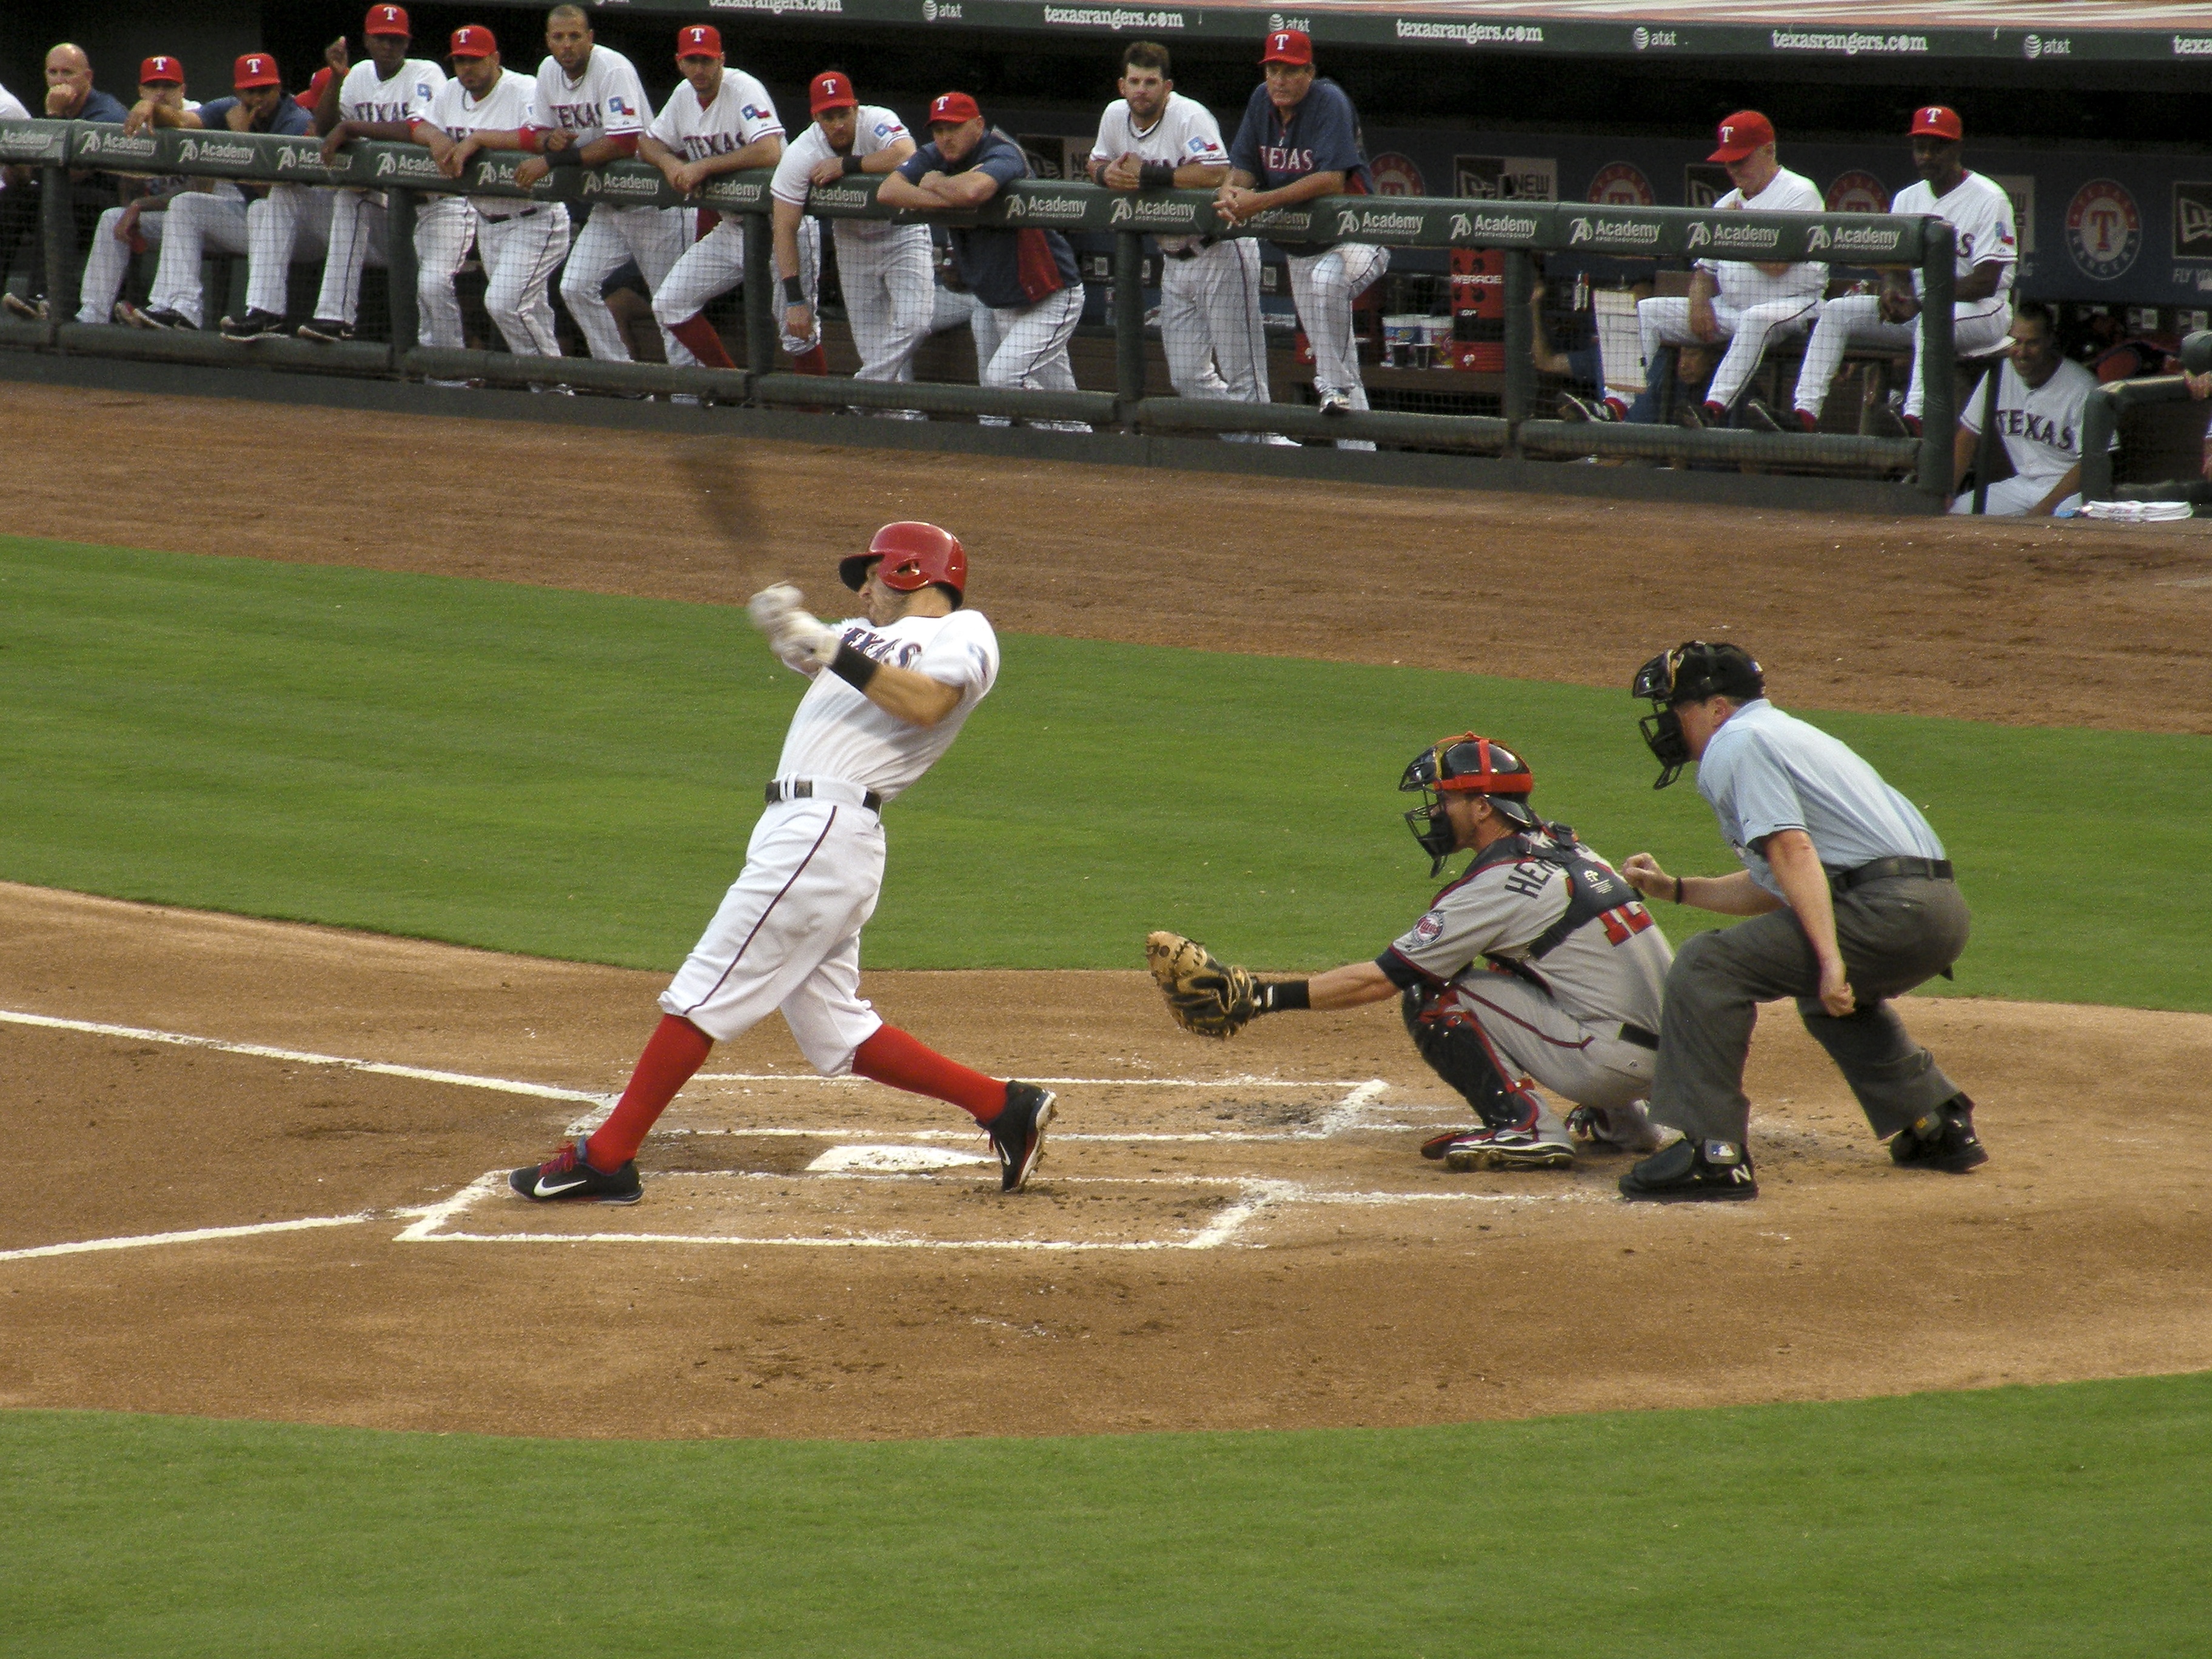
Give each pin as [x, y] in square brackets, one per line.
[741, 113]
[406, 97]
[1613, 968]
[838, 733]
[457, 112]
[874, 128]
[1980, 215]
[607, 100]
[2041, 425]
[1185, 132]
[1742, 282]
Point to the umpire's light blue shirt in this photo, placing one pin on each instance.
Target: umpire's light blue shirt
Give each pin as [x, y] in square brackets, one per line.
[1764, 770]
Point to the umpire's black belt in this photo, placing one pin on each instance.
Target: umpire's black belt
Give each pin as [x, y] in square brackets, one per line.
[1841, 881]
[1191, 252]
[784, 789]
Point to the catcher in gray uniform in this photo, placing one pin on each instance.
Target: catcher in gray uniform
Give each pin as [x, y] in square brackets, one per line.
[1537, 966]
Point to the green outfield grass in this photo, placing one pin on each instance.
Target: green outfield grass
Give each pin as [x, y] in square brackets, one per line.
[2048, 1522]
[574, 776]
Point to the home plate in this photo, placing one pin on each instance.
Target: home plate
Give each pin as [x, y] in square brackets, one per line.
[891, 1160]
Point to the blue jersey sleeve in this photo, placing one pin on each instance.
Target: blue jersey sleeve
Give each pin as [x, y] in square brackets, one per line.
[213, 114]
[1002, 161]
[1244, 149]
[1330, 130]
[927, 159]
[292, 121]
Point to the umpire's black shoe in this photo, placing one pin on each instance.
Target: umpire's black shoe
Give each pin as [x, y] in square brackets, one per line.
[1018, 1133]
[326, 331]
[566, 1176]
[1693, 1171]
[1943, 1139]
[254, 325]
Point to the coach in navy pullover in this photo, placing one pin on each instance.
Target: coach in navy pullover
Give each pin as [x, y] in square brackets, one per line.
[1299, 138]
[1002, 267]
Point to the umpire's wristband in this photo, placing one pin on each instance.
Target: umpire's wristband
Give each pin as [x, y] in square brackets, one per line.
[1280, 996]
[794, 291]
[853, 667]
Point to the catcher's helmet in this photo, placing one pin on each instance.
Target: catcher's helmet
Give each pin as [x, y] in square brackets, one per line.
[1693, 671]
[914, 554]
[1465, 764]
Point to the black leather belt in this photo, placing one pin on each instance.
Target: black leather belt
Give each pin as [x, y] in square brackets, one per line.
[784, 789]
[1843, 881]
[1203, 243]
[1639, 1036]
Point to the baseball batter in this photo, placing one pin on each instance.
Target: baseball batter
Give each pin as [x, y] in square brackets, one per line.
[382, 98]
[1153, 138]
[520, 244]
[892, 689]
[1538, 965]
[886, 269]
[1299, 139]
[719, 120]
[2042, 396]
[1980, 213]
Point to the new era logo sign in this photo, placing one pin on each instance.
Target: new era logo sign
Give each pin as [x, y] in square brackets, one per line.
[2192, 219]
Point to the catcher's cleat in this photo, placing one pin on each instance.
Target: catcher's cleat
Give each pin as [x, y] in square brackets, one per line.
[1435, 1146]
[1508, 1148]
[1693, 1171]
[1614, 1129]
[256, 324]
[1943, 1139]
[566, 1176]
[325, 330]
[1018, 1133]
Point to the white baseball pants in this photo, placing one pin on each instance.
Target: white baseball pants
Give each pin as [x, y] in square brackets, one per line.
[1032, 349]
[195, 224]
[290, 220]
[445, 232]
[1323, 287]
[1586, 1063]
[655, 238]
[2010, 497]
[1749, 330]
[890, 297]
[716, 264]
[108, 262]
[357, 237]
[1210, 328]
[787, 935]
[521, 253]
[1857, 320]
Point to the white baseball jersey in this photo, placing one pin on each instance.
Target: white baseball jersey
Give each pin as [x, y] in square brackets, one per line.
[11, 107]
[1981, 213]
[741, 113]
[1743, 283]
[1186, 132]
[874, 128]
[2041, 426]
[606, 100]
[838, 733]
[406, 97]
[507, 107]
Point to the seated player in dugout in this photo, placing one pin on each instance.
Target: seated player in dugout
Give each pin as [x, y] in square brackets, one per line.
[1536, 967]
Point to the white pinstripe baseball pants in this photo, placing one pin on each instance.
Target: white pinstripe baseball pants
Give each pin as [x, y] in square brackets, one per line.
[1855, 319]
[890, 296]
[357, 236]
[290, 220]
[1032, 350]
[1323, 287]
[1210, 328]
[716, 264]
[445, 231]
[1749, 330]
[194, 224]
[521, 253]
[656, 238]
[108, 262]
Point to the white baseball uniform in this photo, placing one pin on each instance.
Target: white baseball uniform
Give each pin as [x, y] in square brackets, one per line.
[1751, 308]
[886, 270]
[2041, 426]
[11, 107]
[608, 101]
[741, 113]
[356, 236]
[108, 262]
[787, 935]
[1210, 328]
[521, 243]
[1980, 213]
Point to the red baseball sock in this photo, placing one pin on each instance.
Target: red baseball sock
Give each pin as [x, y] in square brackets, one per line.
[813, 361]
[677, 1049]
[891, 1056]
[697, 333]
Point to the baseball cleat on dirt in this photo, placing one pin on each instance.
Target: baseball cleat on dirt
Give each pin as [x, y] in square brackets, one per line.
[1436, 1145]
[1944, 1139]
[566, 1176]
[1693, 1171]
[1508, 1148]
[1018, 1133]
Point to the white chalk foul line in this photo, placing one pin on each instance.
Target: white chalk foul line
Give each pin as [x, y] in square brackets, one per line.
[1241, 1079]
[193, 1236]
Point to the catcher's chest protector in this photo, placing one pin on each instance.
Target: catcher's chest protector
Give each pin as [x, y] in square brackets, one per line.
[1592, 890]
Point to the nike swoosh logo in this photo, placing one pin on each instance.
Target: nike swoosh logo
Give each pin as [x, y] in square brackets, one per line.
[543, 1191]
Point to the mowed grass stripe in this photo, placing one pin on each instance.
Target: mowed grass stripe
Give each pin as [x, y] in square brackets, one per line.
[574, 776]
[2056, 1521]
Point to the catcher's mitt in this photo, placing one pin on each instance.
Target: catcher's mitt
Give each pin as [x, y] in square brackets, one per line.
[1203, 996]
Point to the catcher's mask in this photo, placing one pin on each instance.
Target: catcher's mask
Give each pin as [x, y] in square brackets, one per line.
[914, 554]
[1466, 764]
[1691, 672]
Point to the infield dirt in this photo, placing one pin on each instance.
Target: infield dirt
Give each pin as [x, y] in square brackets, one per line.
[1372, 1288]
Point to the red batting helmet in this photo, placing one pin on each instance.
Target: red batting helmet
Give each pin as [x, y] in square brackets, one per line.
[914, 554]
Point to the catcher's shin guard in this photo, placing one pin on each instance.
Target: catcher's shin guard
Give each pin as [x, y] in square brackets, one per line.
[1455, 1049]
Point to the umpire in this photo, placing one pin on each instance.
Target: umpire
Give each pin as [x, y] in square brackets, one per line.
[1851, 903]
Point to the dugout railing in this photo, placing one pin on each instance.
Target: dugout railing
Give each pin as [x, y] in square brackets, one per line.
[1521, 231]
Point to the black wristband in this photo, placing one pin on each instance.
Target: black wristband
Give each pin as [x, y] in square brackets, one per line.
[853, 165]
[1678, 890]
[852, 667]
[1281, 996]
[569, 155]
[1155, 175]
[794, 291]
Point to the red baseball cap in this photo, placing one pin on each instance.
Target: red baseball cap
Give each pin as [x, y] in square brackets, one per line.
[166, 70]
[472, 40]
[256, 69]
[1936, 121]
[1740, 134]
[387, 20]
[1288, 46]
[699, 40]
[951, 108]
[831, 90]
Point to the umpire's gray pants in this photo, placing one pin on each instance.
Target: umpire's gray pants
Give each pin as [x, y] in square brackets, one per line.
[1894, 934]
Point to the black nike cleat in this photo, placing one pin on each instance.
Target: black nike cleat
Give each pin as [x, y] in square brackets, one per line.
[1018, 1133]
[566, 1176]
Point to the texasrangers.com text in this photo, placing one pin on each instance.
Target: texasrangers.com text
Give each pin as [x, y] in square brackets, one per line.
[1112, 17]
[1849, 44]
